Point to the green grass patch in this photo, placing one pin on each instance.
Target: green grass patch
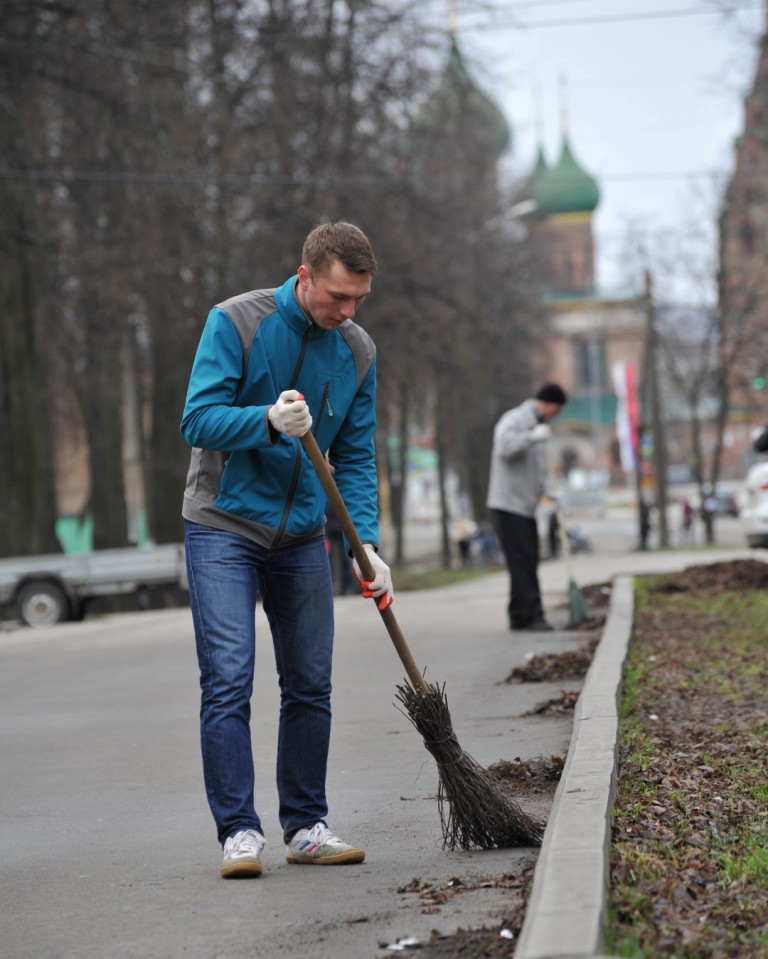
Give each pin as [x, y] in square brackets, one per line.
[411, 579]
[752, 862]
[689, 856]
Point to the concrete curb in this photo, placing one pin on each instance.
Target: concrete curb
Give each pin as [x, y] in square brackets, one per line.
[566, 913]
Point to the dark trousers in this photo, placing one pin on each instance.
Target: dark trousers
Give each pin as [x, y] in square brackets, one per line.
[519, 540]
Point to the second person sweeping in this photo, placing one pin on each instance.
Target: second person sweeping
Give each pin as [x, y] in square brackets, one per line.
[518, 481]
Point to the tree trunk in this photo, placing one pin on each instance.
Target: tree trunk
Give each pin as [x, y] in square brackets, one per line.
[445, 518]
[26, 479]
[102, 415]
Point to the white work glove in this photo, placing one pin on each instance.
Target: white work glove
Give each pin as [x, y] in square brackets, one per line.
[381, 585]
[540, 433]
[290, 415]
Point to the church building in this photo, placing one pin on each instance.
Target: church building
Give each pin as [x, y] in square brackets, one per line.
[594, 336]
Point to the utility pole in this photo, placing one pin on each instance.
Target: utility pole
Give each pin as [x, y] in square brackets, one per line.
[595, 383]
[657, 424]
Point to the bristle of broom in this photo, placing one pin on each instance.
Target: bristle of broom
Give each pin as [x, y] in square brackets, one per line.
[577, 604]
[476, 810]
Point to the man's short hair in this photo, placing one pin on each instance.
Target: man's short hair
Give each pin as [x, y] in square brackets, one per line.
[338, 241]
[552, 393]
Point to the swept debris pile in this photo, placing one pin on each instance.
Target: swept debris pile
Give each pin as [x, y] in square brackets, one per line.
[564, 703]
[738, 575]
[496, 941]
[534, 775]
[545, 667]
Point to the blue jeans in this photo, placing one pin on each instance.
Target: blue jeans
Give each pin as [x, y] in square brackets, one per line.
[227, 573]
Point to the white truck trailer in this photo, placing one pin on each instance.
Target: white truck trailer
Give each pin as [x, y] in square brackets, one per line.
[43, 590]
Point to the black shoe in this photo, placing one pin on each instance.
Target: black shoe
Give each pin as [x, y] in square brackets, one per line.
[540, 626]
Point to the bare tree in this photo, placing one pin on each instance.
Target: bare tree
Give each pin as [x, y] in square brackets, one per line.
[181, 152]
[27, 255]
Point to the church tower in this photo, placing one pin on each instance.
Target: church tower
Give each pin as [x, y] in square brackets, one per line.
[566, 196]
[589, 334]
[459, 130]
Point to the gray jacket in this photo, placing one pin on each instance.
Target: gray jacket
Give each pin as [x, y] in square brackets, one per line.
[518, 477]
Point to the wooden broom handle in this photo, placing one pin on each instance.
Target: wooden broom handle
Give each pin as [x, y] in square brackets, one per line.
[564, 541]
[328, 483]
[565, 544]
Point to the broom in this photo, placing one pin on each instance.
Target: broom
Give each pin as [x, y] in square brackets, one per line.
[476, 810]
[577, 607]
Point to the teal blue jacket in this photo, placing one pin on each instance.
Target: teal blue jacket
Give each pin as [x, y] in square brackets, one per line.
[247, 479]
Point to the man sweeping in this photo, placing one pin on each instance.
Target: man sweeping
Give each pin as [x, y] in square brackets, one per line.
[517, 482]
[272, 364]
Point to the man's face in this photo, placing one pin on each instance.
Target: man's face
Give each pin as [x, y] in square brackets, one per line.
[334, 297]
[548, 411]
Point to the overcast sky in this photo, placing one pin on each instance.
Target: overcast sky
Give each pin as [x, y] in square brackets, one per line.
[653, 97]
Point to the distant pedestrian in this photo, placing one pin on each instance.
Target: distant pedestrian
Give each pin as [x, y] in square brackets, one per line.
[464, 531]
[488, 552]
[686, 524]
[645, 522]
[708, 507]
[760, 444]
[517, 483]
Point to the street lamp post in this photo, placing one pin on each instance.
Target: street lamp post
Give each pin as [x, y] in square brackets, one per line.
[657, 424]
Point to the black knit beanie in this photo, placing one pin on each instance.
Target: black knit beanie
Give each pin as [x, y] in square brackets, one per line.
[552, 393]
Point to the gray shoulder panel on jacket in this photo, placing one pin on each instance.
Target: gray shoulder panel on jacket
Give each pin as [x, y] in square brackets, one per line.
[362, 346]
[247, 310]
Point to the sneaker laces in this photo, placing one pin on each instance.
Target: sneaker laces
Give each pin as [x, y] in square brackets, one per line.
[247, 841]
[323, 836]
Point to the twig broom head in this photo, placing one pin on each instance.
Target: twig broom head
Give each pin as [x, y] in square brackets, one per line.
[577, 605]
[476, 810]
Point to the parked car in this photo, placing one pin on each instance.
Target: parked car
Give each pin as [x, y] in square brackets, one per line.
[754, 515]
[727, 501]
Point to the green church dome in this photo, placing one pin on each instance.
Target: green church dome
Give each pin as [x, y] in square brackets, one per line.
[540, 170]
[459, 104]
[565, 187]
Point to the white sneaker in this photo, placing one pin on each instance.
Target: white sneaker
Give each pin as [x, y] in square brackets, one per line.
[242, 854]
[319, 846]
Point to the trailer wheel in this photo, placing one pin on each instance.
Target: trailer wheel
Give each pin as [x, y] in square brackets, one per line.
[43, 603]
[144, 598]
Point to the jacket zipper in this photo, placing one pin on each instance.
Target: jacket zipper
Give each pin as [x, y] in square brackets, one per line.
[325, 403]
